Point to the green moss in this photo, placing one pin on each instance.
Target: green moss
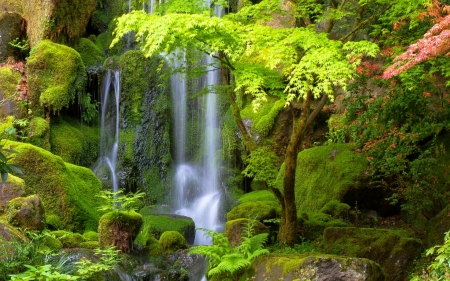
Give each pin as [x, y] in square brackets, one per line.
[9, 79]
[336, 209]
[312, 225]
[112, 63]
[66, 190]
[90, 245]
[90, 54]
[6, 123]
[258, 210]
[53, 222]
[38, 132]
[74, 142]
[394, 251]
[70, 18]
[90, 236]
[155, 225]
[119, 228]
[264, 118]
[325, 173]
[51, 243]
[260, 195]
[68, 239]
[26, 213]
[172, 241]
[55, 74]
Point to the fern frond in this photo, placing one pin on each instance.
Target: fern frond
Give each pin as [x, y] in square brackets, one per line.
[230, 264]
[256, 254]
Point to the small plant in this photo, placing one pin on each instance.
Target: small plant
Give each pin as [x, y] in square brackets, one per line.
[108, 260]
[89, 108]
[43, 272]
[120, 201]
[440, 268]
[225, 260]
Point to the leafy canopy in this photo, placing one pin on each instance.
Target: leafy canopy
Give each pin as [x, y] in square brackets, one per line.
[286, 62]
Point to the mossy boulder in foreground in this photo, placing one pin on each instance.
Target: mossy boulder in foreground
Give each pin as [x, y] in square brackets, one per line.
[119, 228]
[68, 192]
[69, 239]
[395, 251]
[26, 213]
[171, 241]
[156, 224]
[313, 267]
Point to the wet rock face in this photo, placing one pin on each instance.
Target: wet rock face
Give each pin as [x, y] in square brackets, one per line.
[26, 213]
[10, 25]
[314, 267]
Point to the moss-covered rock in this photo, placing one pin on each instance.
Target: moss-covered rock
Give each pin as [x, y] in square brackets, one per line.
[119, 228]
[326, 173]
[312, 225]
[258, 210]
[13, 187]
[91, 55]
[259, 195]
[394, 251]
[9, 233]
[76, 143]
[67, 191]
[90, 245]
[51, 243]
[68, 239]
[235, 229]
[90, 236]
[336, 209]
[155, 225]
[61, 21]
[55, 74]
[313, 267]
[172, 241]
[9, 79]
[38, 132]
[26, 213]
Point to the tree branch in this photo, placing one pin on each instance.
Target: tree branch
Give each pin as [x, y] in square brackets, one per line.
[316, 111]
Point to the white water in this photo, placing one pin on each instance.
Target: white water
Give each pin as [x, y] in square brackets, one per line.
[197, 186]
[109, 146]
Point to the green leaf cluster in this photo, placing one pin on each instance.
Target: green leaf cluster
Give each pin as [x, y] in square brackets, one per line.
[119, 201]
[5, 167]
[226, 260]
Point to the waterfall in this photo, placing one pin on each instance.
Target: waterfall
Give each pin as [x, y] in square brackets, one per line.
[197, 186]
[105, 168]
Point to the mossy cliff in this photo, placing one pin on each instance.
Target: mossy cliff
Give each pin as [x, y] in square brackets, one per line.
[68, 192]
[56, 74]
[144, 149]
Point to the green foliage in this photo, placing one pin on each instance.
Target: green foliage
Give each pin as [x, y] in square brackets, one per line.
[262, 165]
[43, 272]
[120, 201]
[90, 54]
[226, 261]
[108, 259]
[90, 109]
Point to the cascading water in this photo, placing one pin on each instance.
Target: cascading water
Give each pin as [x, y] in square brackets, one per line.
[109, 122]
[201, 204]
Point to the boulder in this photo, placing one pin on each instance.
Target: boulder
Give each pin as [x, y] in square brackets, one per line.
[172, 241]
[10, 25]
[234, 230]
[68, 192]
[156, 224]
[119, 228]
[394, 251]
[26, 213]
[289, 267]
[13, 188]
[68, 239]
[258, 210]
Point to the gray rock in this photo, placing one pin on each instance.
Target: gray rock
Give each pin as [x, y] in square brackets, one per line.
[315, 267]
[10, 25]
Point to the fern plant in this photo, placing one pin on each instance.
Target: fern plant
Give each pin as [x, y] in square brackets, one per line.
[226, 260]
[119, 201]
